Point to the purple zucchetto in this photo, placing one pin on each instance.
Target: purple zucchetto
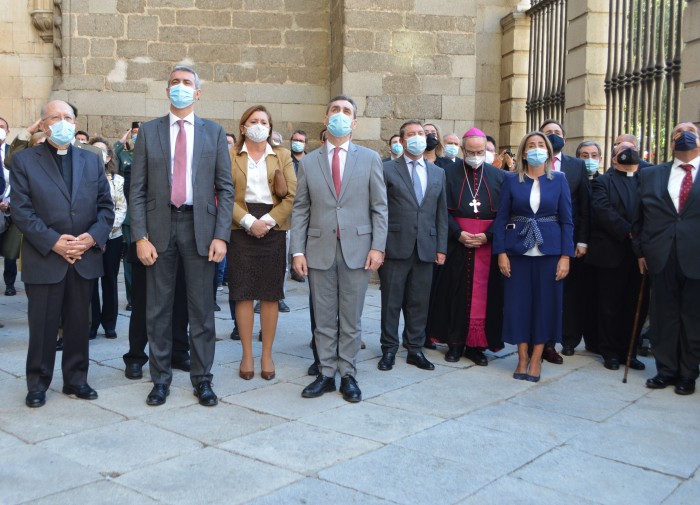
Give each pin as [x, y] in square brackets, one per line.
[474, 132]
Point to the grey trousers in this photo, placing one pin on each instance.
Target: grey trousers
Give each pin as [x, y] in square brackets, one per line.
[338, 297]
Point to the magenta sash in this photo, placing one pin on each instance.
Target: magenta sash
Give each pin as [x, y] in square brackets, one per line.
[476, 332]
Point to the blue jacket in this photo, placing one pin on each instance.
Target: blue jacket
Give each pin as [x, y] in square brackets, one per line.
[555, 200]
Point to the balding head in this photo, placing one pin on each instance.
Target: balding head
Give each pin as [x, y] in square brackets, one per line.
[627, 137]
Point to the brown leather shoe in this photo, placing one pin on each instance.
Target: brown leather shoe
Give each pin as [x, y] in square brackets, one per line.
[552, 356]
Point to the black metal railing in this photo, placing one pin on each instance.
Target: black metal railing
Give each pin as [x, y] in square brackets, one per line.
[546, 78]
[642, 84]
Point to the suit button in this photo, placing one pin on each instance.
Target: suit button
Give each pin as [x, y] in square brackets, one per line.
[338, 207]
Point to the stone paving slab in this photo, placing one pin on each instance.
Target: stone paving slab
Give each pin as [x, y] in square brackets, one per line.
[129, 399]
[671, 453]
[509, 491]
[116, 449]
[212, 476]
[406, 476]
[598, 479]
[686, 494]
[294, 446]
[373, 422]
[309, 491]
[105, 492]
[35, 472]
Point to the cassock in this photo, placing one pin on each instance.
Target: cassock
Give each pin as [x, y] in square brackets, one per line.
[467, 300]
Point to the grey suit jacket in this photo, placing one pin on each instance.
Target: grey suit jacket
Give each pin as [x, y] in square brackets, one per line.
[43, 210]
[410, 224]
[360, 210]
[151, 182]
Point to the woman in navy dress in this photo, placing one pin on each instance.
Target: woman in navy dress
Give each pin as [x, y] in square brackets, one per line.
[533, 238]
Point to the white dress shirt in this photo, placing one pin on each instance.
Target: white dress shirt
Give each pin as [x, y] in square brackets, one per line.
[535, 196]
[421, 171]
[257, 189]
[676, 178]
[189, 131]
[343, 155]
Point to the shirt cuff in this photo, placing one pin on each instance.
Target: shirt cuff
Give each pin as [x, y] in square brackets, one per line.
[297, 254]
[581, 244]
[271, 223]
[247, 221]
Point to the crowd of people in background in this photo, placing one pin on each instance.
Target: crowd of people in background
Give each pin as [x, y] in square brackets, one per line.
[474, 246]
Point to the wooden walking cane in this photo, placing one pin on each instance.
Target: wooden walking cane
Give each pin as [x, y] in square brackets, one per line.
[633, 338]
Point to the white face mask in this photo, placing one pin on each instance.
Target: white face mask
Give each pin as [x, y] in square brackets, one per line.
[3, 135]
[474, 161]
[258, 132]
[490, 157]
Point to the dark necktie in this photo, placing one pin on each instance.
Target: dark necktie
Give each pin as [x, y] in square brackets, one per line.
[686, 186]
[179, 186]
[416, 182]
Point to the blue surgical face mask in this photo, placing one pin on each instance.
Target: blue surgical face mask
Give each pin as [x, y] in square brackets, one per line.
[537, 156]
[62, 132]
[451, 150]
[686, 142]
[297, 147]
[133, 139]
[416, 145]
[397, 149]
[339, 125]
[591, 165]
[556, 141]
[181, 96]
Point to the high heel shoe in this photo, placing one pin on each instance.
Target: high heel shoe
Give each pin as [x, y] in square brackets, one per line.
[519, 376]
[532, 378]
[268, 376]
[246, 375]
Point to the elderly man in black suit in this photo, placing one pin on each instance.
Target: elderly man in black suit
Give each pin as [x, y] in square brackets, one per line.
[618, 281]
[666, 237]
[577, 177]
[181, 210]
[62, 204]
[416, 240]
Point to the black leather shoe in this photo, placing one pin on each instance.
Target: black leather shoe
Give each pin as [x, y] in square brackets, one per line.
[59, 344]
[567, 350]
[84, 391]
[185, 365]
[660, 382]
[611, 363]
[478, 357]
[551, 355]
[206, 394]
[110, 334]
[454, 353]
[314, 369]
[35, 399]
[92, 334]
[321, 385]
[11, 291]
[216, 307]
[429, 344]
[235, 335]
[283, 307]
[419, 360]
[350, 390]
[158, 394]
[128, 307]
[685, 387]
[387, 361]
[635, 364]
[133, 371]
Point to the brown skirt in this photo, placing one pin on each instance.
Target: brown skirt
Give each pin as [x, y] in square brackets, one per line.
[256, 266]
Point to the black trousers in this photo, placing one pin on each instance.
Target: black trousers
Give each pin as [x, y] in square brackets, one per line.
[107, 313]
[138, 337]
[66, 301]
[9, 275]
[574, 304]
[675, 335]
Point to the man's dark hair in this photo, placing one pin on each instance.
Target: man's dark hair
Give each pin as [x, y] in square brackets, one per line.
[82, 132]
[300, 132]
[346, 98]
[402, 130]
[552, 121]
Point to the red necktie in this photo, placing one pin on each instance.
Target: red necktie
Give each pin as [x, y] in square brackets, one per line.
[335, 170]
[686, 186]
[179, 186]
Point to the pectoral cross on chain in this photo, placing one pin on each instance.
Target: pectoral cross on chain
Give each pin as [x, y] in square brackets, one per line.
[475, 203]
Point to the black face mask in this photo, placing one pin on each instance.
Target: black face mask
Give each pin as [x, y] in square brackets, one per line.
[687, 141]
[628, 156]
[431, 142]
[556, 141]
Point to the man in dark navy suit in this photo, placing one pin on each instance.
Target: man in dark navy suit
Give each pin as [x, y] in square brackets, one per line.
[666, 237]
[577, 177]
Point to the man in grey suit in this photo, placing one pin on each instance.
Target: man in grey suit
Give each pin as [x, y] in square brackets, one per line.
[62, 204]
[181, 167]
[339, 227]
[417, 238]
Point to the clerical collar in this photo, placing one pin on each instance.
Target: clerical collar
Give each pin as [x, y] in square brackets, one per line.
[55, 151]
[623, 173]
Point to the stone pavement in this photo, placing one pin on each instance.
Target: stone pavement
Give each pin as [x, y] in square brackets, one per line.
[460, 434]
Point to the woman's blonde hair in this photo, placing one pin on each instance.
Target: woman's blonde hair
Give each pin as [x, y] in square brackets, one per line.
[521, 165]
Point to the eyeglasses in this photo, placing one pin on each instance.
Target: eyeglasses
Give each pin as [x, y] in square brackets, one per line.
[475, 153]
[57, 117]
